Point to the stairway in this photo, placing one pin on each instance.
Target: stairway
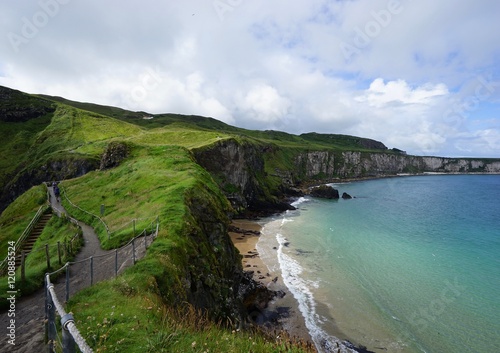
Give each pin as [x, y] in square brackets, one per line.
[35, 233]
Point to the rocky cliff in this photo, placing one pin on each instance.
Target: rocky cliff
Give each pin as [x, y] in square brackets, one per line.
[326, 164]
[55, 169]
[254, 175]
[239, 169]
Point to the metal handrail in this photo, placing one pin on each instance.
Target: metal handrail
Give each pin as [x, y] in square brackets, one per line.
[67, 321]
[70, 333]
[25, 234]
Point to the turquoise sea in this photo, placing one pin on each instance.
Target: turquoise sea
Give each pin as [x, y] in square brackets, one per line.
[411, 264]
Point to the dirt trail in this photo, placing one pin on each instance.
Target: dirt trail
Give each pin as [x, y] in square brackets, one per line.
[30, 310]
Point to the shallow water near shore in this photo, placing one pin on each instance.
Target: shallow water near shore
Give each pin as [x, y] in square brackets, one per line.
[411, 264]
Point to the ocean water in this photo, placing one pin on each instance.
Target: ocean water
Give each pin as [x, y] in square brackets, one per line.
[411, 264]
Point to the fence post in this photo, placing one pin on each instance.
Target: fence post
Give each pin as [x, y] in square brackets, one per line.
[91, 270]
[116, 262]
[48, 255]
[134, 226]
[68, 342]
[59, 252]
[23, 266]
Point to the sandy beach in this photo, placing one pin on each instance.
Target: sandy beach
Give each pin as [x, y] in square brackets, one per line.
[245, 240]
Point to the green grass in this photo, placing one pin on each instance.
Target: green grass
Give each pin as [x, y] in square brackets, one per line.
[144, 310]
[15, 218]
[17, 139]
[128, 315]
[180, 135]
[76, 131]
[57, 230]
[149, 183]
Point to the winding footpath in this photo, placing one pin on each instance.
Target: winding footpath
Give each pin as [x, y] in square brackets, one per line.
[30, 310]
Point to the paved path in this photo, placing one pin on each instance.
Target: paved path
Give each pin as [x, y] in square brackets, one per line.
[30, 310]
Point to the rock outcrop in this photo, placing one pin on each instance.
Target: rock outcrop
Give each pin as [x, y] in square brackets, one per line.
[346, 196]
[113, 155]
[325, 192]
[239, 169]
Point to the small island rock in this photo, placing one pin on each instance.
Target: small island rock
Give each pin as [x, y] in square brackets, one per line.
[325, 192]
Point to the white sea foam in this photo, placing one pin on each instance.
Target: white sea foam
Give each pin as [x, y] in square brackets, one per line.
[300, 201]
[291, 272]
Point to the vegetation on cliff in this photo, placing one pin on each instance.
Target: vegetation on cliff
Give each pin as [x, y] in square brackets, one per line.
[191, 172]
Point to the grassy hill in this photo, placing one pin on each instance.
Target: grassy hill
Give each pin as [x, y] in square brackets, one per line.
[182, 169]
[194, 174]
[50, 138]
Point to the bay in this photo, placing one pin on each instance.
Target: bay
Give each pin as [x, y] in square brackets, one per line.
[411, 264]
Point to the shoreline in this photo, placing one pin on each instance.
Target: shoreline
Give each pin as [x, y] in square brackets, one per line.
[282, 311]
[308, 185]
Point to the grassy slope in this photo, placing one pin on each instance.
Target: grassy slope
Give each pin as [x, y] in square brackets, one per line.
[17, 140]
[15, 218]
[159, 178]
[129, 314]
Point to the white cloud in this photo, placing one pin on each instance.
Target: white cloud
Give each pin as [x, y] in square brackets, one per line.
[263, 103]
[276, 64]
[399, 92]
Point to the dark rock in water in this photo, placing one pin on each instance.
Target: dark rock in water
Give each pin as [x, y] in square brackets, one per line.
[325, 192]
[346, 196]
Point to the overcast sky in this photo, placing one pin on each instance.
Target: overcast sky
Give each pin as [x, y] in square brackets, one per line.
[422, 76]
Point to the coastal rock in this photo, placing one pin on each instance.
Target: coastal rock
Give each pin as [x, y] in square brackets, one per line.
[325, 192]
[239, 169]
[346, 196]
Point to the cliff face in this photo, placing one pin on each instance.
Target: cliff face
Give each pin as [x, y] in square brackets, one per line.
[213, 272]
[324, 165]
[257, 176]
[60, 169]
[239, 169]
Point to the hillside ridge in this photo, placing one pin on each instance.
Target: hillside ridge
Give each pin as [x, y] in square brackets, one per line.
[195, 174]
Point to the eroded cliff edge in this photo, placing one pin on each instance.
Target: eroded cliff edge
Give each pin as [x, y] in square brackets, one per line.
[261, 176]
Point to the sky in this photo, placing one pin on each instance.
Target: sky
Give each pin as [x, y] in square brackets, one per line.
[422, 76]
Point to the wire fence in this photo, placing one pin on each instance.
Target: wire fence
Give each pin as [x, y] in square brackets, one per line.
[85, 211]
[129, 228]
[81, 274]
